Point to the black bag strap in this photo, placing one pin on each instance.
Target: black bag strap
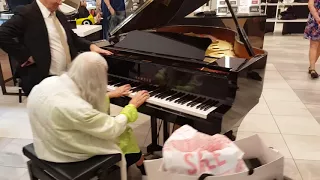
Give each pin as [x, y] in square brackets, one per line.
[204, 176]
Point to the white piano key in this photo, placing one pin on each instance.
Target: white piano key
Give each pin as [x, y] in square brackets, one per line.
[174, 106]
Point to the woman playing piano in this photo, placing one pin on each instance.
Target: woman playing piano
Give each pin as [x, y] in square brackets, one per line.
[70, 120]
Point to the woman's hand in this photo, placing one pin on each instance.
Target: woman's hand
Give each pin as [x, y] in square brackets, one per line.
[139, 98]
[120, 91]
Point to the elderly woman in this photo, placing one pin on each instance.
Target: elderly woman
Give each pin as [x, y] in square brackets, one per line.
[70, 120]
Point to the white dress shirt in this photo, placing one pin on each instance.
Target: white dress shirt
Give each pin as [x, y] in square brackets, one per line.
[58, 56]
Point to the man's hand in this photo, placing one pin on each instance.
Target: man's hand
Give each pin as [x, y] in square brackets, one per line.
[98, 18]
[95, 48]
[120, 91]
[111, 10]
[29, 62]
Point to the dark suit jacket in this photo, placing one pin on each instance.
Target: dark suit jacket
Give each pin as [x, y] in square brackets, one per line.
[25, 35]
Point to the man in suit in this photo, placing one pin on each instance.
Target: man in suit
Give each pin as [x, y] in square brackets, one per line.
[39, 37]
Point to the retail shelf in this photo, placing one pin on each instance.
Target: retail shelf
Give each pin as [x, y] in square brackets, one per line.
[284, 4]
[285, 21]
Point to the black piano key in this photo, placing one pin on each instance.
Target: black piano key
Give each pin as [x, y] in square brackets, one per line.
[209, 105]
[184, 99]
[175, 96]
[189, 98]
[214, 102]
[116, 84]
[199, 100]
[194, 101]
[204, 104]
[110, 81]
[151, 88]
[179, 99]
[120, 84]
[161, 94]
[155, 92]
[135, 89]
[170, 94]
[135, 84]
[201, 104]
[139, 88]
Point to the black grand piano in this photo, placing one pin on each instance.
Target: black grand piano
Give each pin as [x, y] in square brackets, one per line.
[208, 75]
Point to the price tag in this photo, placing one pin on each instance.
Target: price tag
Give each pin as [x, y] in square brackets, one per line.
[243, 9]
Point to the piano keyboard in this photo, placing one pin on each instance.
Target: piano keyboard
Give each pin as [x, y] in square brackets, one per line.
[170, 99]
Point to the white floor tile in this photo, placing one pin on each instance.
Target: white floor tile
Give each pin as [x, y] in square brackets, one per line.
[291, 170]
[272, 140]
[303, 147]
[11, 173]
[4, 142]
[272, 75]
[280, 95]
[260, 108]
[284, 108]
[270, 67]
[297, 125]
[15, 128]
[312, 85]
[309, 169]
[259, 123]
[275, 84]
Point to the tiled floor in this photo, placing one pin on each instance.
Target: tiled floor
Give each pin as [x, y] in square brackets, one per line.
[287, 117]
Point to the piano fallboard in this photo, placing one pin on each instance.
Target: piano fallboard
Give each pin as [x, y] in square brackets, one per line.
[183, 77]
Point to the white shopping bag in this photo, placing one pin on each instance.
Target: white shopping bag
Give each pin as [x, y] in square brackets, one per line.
[190, 152]
[253, 147]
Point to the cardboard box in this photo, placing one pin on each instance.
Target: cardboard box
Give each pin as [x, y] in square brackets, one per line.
[253, 147]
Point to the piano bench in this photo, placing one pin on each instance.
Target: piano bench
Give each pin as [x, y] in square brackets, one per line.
[102, 167]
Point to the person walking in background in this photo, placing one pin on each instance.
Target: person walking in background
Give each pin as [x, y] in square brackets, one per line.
[83, 12]
[114, 11]
[312, 32]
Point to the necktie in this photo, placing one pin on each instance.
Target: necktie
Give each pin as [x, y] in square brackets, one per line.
[62, 39]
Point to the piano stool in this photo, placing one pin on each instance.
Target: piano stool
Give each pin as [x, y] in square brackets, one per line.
[102, 167]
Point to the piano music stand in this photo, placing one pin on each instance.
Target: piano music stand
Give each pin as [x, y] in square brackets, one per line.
[241, 32]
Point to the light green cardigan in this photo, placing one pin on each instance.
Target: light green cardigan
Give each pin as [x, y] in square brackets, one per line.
[127, 141]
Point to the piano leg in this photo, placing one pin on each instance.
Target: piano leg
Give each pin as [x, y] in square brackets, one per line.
[154, 135]
[165, 131]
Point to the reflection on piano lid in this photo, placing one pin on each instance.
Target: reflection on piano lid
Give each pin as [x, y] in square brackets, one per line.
[157, 13]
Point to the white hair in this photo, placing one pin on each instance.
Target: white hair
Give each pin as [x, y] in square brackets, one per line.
[89, 72]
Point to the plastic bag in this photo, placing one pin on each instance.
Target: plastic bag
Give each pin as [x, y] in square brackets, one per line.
[190, 152]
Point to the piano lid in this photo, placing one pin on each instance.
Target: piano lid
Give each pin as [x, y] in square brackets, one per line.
[157, 13]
